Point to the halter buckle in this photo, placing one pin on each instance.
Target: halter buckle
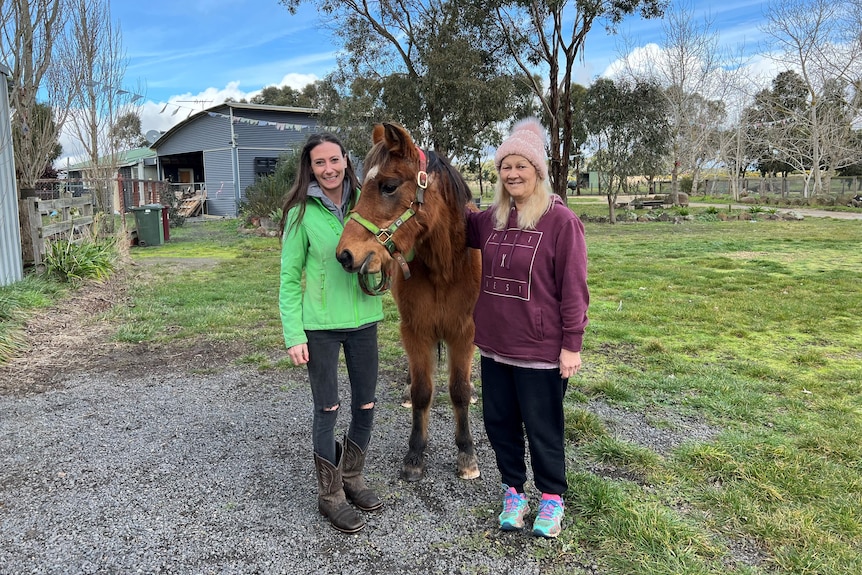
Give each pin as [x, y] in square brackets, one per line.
[384, 236]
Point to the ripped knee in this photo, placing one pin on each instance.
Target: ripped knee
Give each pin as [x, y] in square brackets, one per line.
[332, 407]
[367, 406]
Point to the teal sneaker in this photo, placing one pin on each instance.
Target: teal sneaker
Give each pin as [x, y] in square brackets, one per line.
[515, 507]
[549, 519]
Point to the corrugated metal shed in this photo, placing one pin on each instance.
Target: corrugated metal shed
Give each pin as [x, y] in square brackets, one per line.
[228, 139]
[11, 262]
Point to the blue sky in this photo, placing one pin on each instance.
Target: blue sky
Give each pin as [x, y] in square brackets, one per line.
[191, 54]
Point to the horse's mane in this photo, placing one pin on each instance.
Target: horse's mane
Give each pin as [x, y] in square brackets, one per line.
[440, 164]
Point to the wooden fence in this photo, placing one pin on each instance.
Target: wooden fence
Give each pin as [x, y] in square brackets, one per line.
[42, 221]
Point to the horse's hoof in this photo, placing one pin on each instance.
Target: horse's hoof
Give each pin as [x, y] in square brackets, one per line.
[468, 466]
[412, 473]
[472, 473]
[469, 473]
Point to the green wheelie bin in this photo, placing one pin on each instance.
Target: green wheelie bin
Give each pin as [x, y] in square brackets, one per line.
[148, 220]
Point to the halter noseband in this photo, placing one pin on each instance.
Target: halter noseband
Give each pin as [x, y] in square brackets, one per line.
[384, 236]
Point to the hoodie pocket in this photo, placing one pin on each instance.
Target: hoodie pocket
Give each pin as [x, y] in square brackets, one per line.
[538, 325]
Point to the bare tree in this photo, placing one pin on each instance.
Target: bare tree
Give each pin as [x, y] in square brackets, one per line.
[731, 139]
[550, 34]
[97, 45]
[32, 46]
[819, 41]
[687, 66]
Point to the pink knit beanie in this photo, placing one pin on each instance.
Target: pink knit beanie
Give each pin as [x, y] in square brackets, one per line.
[527, 139]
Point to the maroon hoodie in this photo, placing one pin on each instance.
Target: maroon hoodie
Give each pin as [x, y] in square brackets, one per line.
[534, 295]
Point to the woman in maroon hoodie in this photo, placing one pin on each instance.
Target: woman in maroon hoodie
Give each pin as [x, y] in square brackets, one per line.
[530, 321]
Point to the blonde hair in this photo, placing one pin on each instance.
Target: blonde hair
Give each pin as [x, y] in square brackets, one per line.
[528, 215]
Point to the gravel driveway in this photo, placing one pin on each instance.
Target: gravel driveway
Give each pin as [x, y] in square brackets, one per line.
[118, 458]
[191, 473]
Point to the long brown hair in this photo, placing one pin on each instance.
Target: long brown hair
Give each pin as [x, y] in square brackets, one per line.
[298, 193]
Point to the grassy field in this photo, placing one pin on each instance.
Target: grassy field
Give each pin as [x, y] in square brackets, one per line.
[751, 329]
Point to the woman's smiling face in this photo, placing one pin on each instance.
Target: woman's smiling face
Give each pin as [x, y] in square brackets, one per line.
[328, 165]
[519, 177]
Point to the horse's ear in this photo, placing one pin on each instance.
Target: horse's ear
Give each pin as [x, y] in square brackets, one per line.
[398, 140]
[378, 133]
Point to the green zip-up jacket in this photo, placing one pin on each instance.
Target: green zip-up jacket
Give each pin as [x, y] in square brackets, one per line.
[332, 298]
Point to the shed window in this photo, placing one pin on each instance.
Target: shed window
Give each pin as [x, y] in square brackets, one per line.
[264, 167]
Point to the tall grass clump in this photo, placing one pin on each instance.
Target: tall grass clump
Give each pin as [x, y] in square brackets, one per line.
[75, 262]
[11, 340]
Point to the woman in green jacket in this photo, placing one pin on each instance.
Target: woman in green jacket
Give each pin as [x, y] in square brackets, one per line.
[329, 314]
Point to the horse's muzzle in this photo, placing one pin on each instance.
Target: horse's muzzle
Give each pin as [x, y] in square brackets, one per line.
[345, 258]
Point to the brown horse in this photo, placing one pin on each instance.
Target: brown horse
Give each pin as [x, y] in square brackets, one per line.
[409, 223]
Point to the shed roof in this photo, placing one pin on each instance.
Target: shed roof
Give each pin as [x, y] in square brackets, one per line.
[124, 158]
[226, 106]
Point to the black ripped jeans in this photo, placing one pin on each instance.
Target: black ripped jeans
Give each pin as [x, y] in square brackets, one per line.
[361, 357]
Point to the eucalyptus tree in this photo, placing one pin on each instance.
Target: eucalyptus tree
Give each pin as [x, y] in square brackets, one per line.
[126, 132]
[627, 121]
[349, 106]
[549, 35]
[579, 134]
[287, 96]
[432, 65]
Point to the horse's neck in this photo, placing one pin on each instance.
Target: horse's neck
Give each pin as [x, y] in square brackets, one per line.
[443, 251]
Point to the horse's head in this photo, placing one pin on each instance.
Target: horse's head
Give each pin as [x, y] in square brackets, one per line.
[382, 227]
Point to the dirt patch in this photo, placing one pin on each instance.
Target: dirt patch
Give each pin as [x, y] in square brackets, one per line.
[62, 338]
[77, 335]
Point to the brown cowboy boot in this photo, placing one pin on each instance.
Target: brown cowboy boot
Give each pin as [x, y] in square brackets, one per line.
[331, 501]
[354, 484]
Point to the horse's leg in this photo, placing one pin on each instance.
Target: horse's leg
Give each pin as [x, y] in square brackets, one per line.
[460, 392]
[421, 393]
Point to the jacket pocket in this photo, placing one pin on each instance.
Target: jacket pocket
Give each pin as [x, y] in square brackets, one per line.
[323, 291]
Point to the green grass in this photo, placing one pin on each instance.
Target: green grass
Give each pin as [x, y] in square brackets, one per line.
[752, 329]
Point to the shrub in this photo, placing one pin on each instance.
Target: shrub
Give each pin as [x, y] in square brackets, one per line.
[265, 197]
[708, 217]
[168, 196]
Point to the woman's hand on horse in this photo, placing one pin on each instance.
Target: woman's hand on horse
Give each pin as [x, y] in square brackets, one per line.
[298, 354]
[570, 363]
